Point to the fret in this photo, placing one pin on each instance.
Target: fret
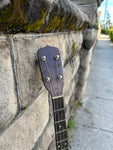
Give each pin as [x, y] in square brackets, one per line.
[60, 124]
[61, 136]
[62, 140]
[60, 121]
[58, 103]
[66, 148]
[61, 131]
[58, 110]
[63, 145]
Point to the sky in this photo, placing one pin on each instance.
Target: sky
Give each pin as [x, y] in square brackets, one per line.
[109, 8]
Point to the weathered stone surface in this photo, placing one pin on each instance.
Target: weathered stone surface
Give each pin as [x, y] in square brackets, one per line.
[89, 36]
[83, 71]
[8, 101]
[91, 11]
[41, 16]
[27, 128]
[70, 71]
[82, 2]
[89, 7]
[4, 3]
[87, 2]
[47, 137]
[25, 51]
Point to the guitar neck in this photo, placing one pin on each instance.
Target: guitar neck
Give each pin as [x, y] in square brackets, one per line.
[60, 124]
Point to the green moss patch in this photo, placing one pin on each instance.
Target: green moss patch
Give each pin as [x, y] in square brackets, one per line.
[37, 25]
[72, 54]
[12, 17]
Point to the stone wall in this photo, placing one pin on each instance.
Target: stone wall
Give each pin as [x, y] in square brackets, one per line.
[26, 120]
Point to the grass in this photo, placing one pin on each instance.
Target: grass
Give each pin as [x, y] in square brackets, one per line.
[71, 122]
[71, 125]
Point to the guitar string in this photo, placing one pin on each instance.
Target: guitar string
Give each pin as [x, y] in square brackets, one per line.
[54, 93]
[58, 102]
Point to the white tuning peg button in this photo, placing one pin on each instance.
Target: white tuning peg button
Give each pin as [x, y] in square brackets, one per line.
[43, 58]
[59, 77]
[48, 79]
[56, 57]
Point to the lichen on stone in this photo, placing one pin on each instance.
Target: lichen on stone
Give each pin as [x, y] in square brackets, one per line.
[56, 21]
[37, 25]
[12, 17]
[74, 49]
[25, 16]
[72, 54]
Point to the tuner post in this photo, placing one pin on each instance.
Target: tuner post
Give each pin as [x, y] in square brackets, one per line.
[43, 58]
[48, 79]
[59, 77]
[57, 57]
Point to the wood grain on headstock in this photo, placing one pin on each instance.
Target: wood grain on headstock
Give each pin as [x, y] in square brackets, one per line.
[51, 68]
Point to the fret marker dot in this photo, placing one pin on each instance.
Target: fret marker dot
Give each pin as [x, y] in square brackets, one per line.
[60, 126]
[58, 146]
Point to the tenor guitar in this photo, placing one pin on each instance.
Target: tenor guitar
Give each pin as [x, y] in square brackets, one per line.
[52, 76]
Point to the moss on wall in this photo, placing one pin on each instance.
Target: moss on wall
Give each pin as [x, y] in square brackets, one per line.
[14, 19]
[37, 25]
[56, 21]
[72, 54]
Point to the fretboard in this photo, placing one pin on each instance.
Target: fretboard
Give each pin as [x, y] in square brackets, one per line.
[60, 124]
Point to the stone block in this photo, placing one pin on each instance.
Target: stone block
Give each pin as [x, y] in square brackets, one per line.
[28, 127]
[70, 71]
[83, 75]
[4, 3]
[47, 137]
[91, 11]
[8, 100]
[83, 72]
[82, 2]
[85, 58]
[80, 91]
[41, 16]
[25, 52]
[89, 38]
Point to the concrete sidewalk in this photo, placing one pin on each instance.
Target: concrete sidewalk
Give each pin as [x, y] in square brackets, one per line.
[95, 118]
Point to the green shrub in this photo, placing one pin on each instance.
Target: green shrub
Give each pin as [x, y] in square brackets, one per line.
[105, 31]
[111, 35]
[108, 32]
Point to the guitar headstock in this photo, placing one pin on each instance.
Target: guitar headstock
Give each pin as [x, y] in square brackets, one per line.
[51, 70]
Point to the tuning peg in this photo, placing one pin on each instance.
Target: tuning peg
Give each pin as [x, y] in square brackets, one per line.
[56, 57]
[59, 77]
[43, 58]
[47, 79]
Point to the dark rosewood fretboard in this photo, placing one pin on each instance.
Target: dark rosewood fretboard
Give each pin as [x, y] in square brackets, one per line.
[60, 124]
